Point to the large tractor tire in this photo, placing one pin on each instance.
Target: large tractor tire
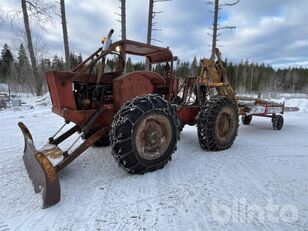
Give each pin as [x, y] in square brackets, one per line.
[144, 134]
[218, 123]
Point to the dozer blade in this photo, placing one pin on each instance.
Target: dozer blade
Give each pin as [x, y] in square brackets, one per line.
[41, 171]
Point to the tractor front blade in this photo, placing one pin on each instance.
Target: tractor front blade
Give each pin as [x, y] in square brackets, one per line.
[41, 171]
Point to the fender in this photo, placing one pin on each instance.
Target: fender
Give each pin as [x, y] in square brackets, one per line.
[131, 85]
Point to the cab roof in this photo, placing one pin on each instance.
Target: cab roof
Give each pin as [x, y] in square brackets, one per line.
[155, 54]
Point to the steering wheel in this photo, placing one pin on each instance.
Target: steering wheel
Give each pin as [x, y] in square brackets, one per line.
[121, 65]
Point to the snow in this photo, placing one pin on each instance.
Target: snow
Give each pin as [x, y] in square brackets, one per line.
[302, 104]
[57, 154]
[4, 87]
[197, 190]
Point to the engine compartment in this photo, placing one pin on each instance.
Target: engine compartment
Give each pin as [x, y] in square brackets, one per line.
[91, 96]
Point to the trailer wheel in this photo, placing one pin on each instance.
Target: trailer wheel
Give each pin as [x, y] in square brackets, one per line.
[278, 122]
[144, 134]
[218, 123]
[246, 120]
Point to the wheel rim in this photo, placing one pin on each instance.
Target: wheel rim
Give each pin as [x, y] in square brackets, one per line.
[225, 124]
[153, 136]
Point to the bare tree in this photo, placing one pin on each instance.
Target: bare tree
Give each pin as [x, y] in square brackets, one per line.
[38, 10]
[38, 83]
[151, 16]
[122, 19]
[65, 36]
[150, 22]
[216, 27]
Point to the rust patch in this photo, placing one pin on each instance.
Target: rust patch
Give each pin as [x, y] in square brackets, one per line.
[47, 167]
[52, 151]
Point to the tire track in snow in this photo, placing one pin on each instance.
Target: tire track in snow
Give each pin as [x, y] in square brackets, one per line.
[257, 184]
[124, 196]
[176, 195]
[4, 226]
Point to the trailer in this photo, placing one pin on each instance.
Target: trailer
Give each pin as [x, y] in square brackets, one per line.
[249, 107]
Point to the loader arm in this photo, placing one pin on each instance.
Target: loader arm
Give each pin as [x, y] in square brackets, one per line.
[213, 75]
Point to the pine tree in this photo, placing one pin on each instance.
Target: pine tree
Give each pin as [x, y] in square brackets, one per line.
[194, 67]
[23, 65]
[6, 54]
[45, 65]
[6, 62]
[129, 65]
[73, 60]
[184, 70]
[22, 56]
[111, 64]
[79, 59]
[57, 63]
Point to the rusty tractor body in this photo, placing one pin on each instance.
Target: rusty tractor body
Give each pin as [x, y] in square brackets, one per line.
[140, 114]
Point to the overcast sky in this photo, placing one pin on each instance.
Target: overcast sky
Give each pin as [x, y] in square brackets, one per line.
[270, 31]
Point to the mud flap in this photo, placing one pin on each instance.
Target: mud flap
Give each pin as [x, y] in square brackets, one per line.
[40, 170]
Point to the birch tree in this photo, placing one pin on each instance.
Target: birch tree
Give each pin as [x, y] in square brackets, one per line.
[39, 10]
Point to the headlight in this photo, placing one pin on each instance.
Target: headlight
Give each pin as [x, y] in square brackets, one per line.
[118, 48]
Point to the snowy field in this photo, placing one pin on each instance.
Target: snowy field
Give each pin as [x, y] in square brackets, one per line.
[261, 183]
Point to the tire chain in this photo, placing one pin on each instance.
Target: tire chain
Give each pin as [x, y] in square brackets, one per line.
[206, 134]
[120, 121]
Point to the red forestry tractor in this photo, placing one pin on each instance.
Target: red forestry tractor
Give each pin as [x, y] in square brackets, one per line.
[140, 114]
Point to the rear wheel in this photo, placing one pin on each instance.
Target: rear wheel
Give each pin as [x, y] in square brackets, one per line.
[218, 123]
[278, 122]
[246, 120]
[144, 134]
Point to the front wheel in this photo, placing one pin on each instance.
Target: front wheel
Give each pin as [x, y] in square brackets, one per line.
[218, 123]
[144, 134]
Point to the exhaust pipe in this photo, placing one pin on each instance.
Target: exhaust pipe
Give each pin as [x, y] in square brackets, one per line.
[108, 40]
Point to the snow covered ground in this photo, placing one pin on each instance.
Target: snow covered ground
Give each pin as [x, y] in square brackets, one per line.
[261, 183]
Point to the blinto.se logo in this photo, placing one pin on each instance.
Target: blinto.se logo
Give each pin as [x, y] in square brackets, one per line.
[242, 212]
